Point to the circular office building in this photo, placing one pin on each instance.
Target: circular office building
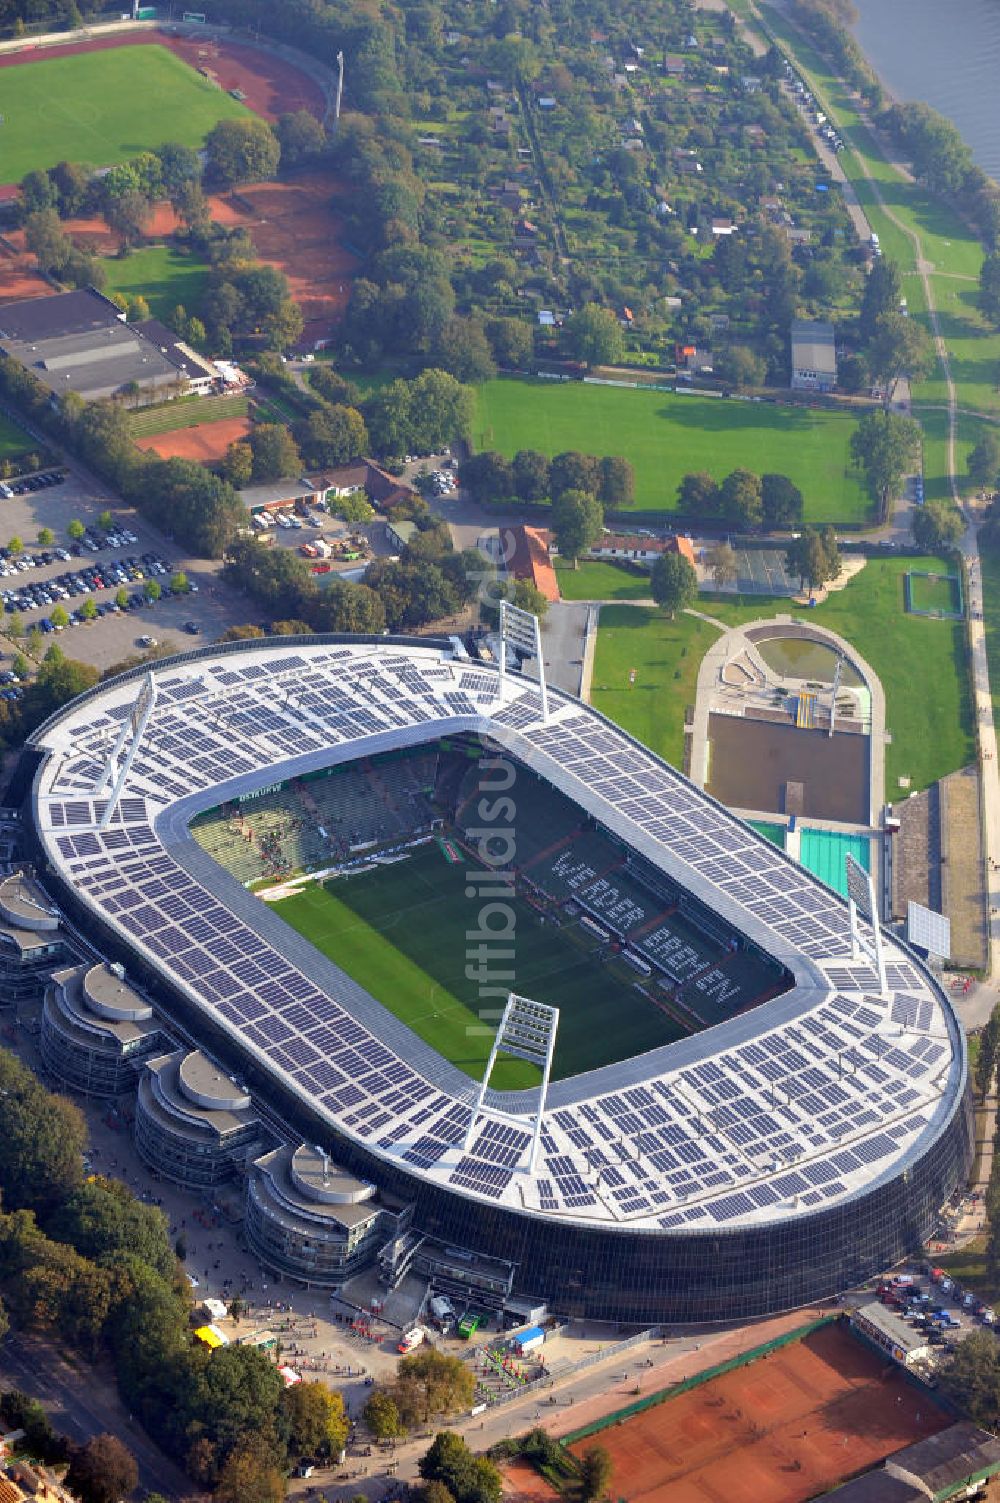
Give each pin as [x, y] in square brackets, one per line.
[502, 962]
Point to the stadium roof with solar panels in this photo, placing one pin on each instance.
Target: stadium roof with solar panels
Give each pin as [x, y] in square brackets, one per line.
[798, 1104]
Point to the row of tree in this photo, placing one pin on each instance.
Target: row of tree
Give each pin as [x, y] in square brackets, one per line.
[532, 477]
[742, 500]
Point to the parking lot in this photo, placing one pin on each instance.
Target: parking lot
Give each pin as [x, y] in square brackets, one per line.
[96, 573]
[936, 1306]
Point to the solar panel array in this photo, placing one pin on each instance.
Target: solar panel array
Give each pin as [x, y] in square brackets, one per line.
[766, 1119]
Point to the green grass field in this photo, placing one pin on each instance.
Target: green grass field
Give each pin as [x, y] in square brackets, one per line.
[400, 932]
[665, 436]
[921, 662]
[13, 440]
[598, 580]
[159, 273]
[99, 108]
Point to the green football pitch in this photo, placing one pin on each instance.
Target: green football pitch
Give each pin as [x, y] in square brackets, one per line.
[98, 108]
[665, 436]
[400, 932]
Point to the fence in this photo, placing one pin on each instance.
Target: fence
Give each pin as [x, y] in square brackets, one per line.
[742, 1360]
[547, 1379]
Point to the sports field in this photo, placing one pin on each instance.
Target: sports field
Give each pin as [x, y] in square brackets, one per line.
[400, 932]
[665, 436]
[98, 108]
[938, 594]
[781, 1429]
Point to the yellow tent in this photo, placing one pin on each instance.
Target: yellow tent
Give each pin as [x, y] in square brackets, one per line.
[212, 1336]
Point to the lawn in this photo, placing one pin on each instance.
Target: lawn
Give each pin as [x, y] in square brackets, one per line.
[596, 580]
[400, 932]
[921, 662]
[13, 440]
[666, 656]
[161, 274]
[98, 108]
[990, 562]
[666, 435]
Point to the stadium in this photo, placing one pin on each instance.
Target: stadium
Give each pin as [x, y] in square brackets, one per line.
[741, 1118]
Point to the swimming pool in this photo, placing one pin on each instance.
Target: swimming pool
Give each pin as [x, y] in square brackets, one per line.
[823, 852]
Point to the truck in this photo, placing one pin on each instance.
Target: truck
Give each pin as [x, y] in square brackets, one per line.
[411, 1338]
[322, 547]
[441, 1308]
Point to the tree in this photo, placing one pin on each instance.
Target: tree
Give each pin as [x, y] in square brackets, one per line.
[332, 436]
[900, 347]
[937, 525]
[59, 616]
[237, 466]
[741, 498]
[354, 509]
[971, 1379]
[513, 342]
[152, 589]
[673, 583]
[698, 495]
[886, 445]
[15, 625]
[595, 1474]
[275, 455]
[332, 386]
[242, 151]
[249, 1475]
[441, 411]
[883, 293]
[128, 215]
[71, 183]
[573, 471]
[463, 349]
[487, 477]
[989, 287]
[301, 138]
[381, 1415]
[47, 240]
[813, 558]
[468, 1478]
[46, 537]
[594, 336]
[721, 561]
[740, 366]
[179, 583]
[15, 547]
[88, 610]
[102, 1471]
[530, 475]
[105, 520]
[983, 462]
[577, 519]
[782, 502]
[617, 483]
[75, 529]
[121, 597]
[317, 1424]
[430, 1384]
[180, 169]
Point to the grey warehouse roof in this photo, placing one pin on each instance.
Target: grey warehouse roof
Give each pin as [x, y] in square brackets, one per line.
[813, 346]
[803, 1103]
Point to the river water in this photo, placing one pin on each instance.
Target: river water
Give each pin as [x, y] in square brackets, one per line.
[945, 52]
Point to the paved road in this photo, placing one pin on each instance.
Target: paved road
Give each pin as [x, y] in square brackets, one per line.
[81, 1403]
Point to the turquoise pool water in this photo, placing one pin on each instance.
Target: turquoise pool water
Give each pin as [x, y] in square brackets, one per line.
[823, 852]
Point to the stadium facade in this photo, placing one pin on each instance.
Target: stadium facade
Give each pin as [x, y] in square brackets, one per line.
[772, 1159]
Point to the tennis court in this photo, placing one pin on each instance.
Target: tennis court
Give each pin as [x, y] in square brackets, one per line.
[761, 571]
[781, 1429]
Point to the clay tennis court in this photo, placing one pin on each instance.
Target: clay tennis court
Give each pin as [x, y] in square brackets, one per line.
[206, 442]
[271, 86]
[18, 277]
[295, 227]
[779, 1430]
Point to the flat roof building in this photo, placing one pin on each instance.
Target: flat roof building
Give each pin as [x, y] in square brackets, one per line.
[81, 342]
[276, 494]
[814, 355]
[200, 373]
[96, 1030]
[310, 1219]
[890, 1333]
[32, 940]
[193, 1124]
